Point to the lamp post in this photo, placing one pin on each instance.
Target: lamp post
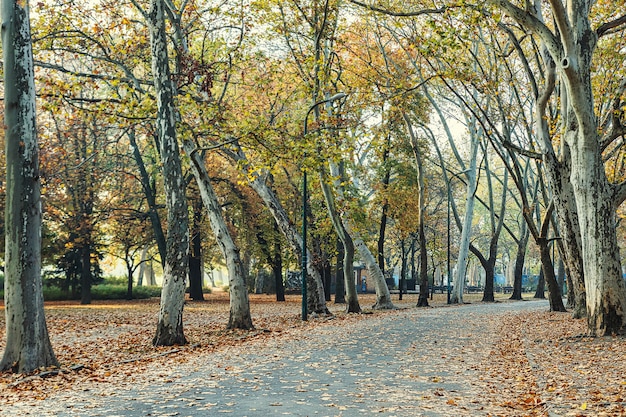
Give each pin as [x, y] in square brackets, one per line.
[304, 200]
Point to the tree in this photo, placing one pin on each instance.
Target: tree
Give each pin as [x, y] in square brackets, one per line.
[27, 342]
[568, 52]
[170, 326]
[239, 317]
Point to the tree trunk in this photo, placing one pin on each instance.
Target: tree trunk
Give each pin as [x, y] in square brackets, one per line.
[554, 294]
[129, 277]
[27, 342]
[519, 263]
[541, 286]
[403, 265]
[314, 282]
[340, 289]
[383, 297]
[385, 207]
[347, 242]
[195, 256]
[149, 192]
[560, 276]
[327, 274]
[488, 292]
[170, 326]
[142, 265]
[466, 232]
[277, 271]
[240, 317]
[85, 271]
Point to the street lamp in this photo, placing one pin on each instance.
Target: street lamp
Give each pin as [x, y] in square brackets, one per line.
[304, 200]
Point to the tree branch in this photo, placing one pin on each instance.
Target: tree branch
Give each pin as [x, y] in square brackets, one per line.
[605, 28]
[388, 12]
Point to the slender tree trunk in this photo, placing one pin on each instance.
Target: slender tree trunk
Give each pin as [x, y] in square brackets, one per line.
[314, 282]
[340, 289]
[85, 271]
[27, 342]
[277, 271]
[170, 326]
[421, 204]
[239, 317]
[554, 294]
[327, 274]
[385, 207]
[541, 286]
[142, 265]
[560, 276]
[466, 232]
[149, 192]
[519, 263]
[403, 265]
[129, 277]
[347, 242]
[195, 257]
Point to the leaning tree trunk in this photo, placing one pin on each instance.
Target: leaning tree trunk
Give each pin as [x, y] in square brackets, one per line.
[240, 317]
[348, 245]
[27, 343]
[383, 297]
[170, 325]
[316, 299]
[155, 219]
[466, 232]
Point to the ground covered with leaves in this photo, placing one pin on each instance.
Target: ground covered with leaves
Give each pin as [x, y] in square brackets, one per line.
[540, 364]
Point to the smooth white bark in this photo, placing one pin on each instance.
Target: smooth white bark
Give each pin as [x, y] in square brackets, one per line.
[239, 317]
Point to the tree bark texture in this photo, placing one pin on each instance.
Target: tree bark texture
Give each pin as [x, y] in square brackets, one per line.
[571, 46]
[239, 317]
[170, 325]
[27, 342]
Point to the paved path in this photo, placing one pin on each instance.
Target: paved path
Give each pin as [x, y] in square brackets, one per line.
[420, 362]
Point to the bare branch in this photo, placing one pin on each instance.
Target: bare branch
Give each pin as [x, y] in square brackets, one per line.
[605, 28]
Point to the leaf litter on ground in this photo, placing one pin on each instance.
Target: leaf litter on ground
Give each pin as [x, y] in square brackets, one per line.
[540, 364]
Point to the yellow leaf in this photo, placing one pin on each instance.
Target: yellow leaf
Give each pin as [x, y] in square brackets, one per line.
[583, 406]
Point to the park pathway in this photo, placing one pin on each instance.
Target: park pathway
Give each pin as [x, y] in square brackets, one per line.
[418, 362]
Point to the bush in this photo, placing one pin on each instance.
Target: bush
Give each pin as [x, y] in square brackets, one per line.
[123, 280]
[55, 294]
[118, 292]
